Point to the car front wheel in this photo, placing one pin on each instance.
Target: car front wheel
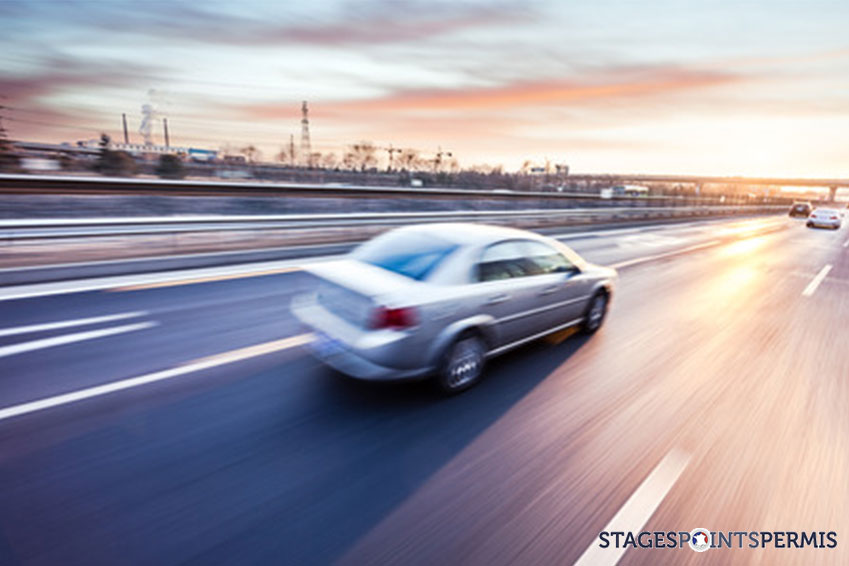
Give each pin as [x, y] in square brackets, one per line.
[596, 311]
[462, 364]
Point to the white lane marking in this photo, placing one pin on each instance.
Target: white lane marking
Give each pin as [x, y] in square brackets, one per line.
[846, 244]
[71, 338]
[646, 229]
[635, 261]
[815, 282]
[100, 283]
[638, 509]
[594, 233]
[69, 323]
[197, 365]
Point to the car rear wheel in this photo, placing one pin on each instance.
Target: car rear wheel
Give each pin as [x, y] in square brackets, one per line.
[596, 311]
[462, 364]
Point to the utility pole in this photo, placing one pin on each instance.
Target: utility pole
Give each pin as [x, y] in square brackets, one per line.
[392, 151]
[291, 150]
[126, 135]
[306, 150]
[165, 126]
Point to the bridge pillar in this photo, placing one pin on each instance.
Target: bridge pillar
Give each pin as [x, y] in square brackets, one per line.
[832, 193]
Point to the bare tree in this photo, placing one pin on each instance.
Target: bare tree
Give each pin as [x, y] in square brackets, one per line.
[364, 155]
[251, 153]
[408, 160]
[329, 161]
[313, 159]
[349, 160]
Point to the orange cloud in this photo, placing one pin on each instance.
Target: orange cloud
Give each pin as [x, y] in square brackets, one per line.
[515, 95]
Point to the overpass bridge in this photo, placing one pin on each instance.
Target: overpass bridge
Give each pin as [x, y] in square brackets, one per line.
[699, 180]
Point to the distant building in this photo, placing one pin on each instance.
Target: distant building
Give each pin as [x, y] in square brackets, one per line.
[625, 191]
[144, 150]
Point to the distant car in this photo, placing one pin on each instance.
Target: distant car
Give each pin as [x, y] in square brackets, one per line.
[440, 299]
[803, 209]
[824, 217]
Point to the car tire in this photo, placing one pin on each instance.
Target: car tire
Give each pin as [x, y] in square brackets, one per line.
[809, 225]
[595, 313]
[462, 364]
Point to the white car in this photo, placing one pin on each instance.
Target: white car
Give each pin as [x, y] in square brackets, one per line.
[824, 217]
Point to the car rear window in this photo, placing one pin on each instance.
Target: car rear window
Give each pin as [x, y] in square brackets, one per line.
[411, 254]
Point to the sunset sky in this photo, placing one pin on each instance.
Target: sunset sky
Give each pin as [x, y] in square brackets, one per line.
[719, 87]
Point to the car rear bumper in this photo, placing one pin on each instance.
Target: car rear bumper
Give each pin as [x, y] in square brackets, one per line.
[329, 348]
[824, 223]
[334, 354]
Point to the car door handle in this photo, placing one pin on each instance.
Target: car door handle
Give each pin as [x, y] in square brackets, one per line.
[550, 289]
[499, 298]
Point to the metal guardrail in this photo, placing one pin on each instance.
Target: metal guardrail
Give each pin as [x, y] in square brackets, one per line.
[57, 184]
[29, 229]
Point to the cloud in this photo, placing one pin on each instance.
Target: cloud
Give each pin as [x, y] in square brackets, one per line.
[55, 73]
[347, 24]
[31, 97]
[521, 95]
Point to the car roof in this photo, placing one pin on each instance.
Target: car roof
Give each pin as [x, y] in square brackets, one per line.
[469, 234]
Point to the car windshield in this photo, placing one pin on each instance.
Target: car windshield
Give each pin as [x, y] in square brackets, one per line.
[411, 254]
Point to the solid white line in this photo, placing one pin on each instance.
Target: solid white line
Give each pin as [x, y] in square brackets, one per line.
[69, 323]
[846, 244]
[71, 338]
[630, 262]
[815, 282]
[638, 509]
[100, 283]
[204, 363]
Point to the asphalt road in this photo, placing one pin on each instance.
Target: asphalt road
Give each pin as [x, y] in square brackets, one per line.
[181, 421]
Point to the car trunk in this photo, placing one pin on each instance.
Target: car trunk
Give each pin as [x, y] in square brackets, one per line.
[351, 289]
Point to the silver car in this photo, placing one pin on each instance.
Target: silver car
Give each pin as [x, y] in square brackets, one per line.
[440, 299]
[827, 217]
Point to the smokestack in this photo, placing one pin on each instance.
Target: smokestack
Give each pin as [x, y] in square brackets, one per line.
[126, 136]
[165, 125]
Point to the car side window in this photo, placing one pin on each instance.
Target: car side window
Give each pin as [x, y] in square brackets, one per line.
[545, 258]
[505, 260]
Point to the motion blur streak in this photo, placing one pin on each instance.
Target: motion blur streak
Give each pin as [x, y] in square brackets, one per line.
[275, 460]
[70, 338]
[68, 323]
[639, 260]
[207, 279]
[638, 508]
[206, 363]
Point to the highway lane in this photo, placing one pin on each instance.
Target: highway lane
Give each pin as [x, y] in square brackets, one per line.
[713, 355]
[192, 321]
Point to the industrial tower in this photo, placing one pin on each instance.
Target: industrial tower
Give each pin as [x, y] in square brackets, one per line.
[306, 151]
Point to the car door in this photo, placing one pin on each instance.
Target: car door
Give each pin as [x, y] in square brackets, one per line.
[563, 291]
[510, 290]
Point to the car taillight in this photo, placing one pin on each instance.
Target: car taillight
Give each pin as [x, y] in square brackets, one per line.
[834, 218]
[385, 317]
